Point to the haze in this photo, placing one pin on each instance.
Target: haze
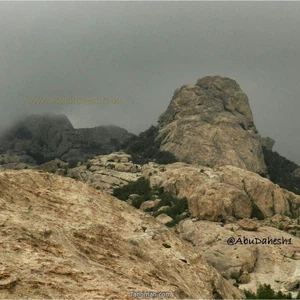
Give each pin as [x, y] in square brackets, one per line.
[141, 52]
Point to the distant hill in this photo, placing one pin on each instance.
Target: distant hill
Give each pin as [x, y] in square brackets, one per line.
[49, 136]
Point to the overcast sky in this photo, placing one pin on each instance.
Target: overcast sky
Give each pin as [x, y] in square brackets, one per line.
[141, 52]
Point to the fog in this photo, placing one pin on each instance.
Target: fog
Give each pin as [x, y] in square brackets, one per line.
[141, 52]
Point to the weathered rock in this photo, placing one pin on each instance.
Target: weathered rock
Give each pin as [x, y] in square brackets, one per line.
[149, 204]
[293, 283]
[268, 143]
[245, 278]
[261, 263]
[48, 136]
[224, 192]
[64, 239]
[53, 165]
[163, 207]
[248, 225]
[164, 218]
[133, 196]
[101, 172]
[297, 173]
[211, 124]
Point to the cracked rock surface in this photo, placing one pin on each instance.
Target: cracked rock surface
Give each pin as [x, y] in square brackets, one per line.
[214, 119]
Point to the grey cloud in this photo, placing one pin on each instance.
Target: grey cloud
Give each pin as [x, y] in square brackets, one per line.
[142, 51]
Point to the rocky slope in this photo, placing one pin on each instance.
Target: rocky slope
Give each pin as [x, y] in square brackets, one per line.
[46, 137]
[63, 239]
[223, 192]
[244, 264]
[106, 172]
[211, 124]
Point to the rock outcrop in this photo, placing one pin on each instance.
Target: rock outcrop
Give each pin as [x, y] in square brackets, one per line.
[106, 172]
[227, 191]
[268, 143]
[211, 124]
[65, 240]
[247, 264]
[46, 137]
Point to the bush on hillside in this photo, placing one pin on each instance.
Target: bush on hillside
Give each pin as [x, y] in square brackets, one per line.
[266, 292]
[146, 147]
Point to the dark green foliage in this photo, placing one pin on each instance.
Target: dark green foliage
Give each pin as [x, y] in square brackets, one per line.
[145, 147]
[256, 212]
[281, 171]
[140, 187]
[38, 157]
[298, 296]
[166, 245]
[266, 292]
[73, 164]
[176, 206]
[88, 165]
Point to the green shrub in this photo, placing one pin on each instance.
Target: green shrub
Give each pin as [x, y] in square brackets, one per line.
[145, 192]
[88, 165]
[140, 187]
[146, 147]
[280, 171]
[266, 292]
[176, 220]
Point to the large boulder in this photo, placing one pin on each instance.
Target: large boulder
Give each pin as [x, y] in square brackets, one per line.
[211, 124]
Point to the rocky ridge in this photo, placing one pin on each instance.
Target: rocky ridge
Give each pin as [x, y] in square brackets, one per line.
[47, 137]
[223, 192]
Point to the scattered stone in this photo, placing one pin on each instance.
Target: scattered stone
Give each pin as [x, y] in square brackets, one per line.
[164, 218]
[149, 204]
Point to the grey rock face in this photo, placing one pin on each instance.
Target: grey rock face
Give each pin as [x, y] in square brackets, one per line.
[211, 123]
[46, 137]
[268, 143]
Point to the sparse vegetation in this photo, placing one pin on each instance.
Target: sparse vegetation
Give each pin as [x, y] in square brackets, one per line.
[176, 206]
[266, 292]
[281, 171]
[145, 147]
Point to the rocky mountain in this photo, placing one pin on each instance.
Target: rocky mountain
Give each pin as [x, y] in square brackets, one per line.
[61, 239]
[210, 123]
[46, 137]
[184, 187]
